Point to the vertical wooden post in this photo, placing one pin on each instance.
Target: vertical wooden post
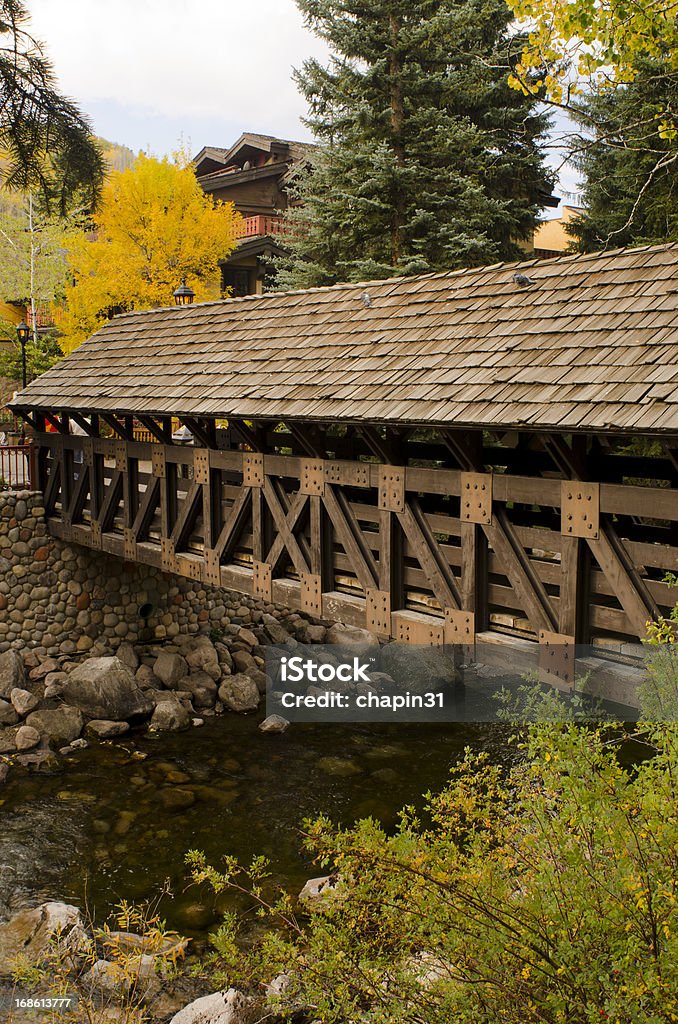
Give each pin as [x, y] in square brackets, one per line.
[575, 572]
[391, 561]
[168, 499]
[474, 578]
[322, 553]
[212, 514]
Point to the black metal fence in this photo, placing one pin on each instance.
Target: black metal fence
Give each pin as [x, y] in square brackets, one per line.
[15, 466]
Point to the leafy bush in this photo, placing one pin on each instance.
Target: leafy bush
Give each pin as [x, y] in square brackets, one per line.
[658, 694]
[542, 893]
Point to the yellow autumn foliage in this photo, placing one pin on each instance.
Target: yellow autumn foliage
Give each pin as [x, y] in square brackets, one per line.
[154, 226]
[591, 43]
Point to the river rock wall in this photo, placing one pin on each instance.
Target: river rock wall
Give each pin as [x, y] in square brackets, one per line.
[61, 599]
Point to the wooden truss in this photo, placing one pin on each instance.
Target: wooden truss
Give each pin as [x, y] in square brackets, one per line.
[426, 555]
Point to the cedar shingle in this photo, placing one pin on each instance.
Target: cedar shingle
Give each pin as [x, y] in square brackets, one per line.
[592, 345]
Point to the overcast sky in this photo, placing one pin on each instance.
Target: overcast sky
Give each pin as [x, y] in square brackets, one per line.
[149, 72]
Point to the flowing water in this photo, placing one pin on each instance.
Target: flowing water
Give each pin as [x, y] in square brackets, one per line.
[119, 820]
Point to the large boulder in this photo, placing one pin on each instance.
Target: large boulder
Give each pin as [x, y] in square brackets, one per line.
[203, 689]
[203, 657]
[170, 668]
[8, 715]
[231, 1007]
[27, 935]
[239, 693]
[419, 669]
[12, 673]
[23, 701]
[358, 641]
[27, 738]
[170, 716]
[274, 723]
[100, 729]
[61, 725]
[105, 688]
[276, 633]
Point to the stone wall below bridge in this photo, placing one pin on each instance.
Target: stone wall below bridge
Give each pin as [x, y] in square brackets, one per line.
[63, 599]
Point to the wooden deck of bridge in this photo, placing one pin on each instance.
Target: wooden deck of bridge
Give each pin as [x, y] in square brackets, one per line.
[432, 457]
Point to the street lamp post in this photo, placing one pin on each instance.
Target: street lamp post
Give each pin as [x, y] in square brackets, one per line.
[184, 295]
[23, 333]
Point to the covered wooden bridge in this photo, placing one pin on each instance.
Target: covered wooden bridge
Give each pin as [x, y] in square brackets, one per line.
[434, 458]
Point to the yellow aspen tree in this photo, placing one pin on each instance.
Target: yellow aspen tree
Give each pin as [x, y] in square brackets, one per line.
[153, 227]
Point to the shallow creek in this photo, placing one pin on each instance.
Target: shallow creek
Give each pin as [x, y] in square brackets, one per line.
[119, 821]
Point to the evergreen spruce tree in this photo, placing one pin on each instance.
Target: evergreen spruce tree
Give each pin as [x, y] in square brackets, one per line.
[46, 143]
[629, 162]
[428, 160]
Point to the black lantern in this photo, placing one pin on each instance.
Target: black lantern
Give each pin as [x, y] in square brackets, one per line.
[23, 333]
[184, 295]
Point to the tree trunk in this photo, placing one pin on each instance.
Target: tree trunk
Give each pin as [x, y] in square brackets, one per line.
[397, 121]
[31, 228]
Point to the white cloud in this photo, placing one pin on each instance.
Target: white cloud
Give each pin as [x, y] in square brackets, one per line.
[216, 60]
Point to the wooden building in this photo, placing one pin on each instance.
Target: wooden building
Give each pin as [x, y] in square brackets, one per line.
[438, 458]
[253, 175]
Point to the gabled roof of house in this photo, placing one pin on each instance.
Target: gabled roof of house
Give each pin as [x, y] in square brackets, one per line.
[295, 151]
[591, 344]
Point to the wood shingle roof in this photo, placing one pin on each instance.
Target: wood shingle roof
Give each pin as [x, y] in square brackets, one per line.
[591, 345]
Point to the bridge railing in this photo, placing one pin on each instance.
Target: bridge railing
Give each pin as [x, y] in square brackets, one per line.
[15, 466]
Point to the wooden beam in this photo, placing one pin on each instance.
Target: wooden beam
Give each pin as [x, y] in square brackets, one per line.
[391, 559]
[301, 563]
[297, 507]
[199, 431]
[84, 423]
[425, 547]
[53, 483]
[111, 503]
[79, 495]
[522, 576]
[575, 586]
[159, 432]
[621, 574]
[119, 428]
[235, 520]
[346, 530]
[146, 511]
[307, 438]
[191, 506]
[474, 574]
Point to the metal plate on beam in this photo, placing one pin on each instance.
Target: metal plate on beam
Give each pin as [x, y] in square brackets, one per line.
[392, 488]
[459, 627]
[130, 545]
[261, 580]
[476, 498]
[413, 628]
[121, 456]
[557, 658]
[350, 474]
[312, 477]
[87, 452]
[108, 448]
[201, 465]
[158, 460]
[212, 567]
[378, 611]
[167, 559]
[580, 509]
[253, 469]
[311, 594]
[95, 533]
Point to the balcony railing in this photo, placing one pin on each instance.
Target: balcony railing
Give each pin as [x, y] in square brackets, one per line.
[15, 466]
[251, 227]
